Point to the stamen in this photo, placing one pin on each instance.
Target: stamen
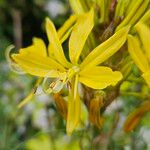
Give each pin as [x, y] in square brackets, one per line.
[54, 87]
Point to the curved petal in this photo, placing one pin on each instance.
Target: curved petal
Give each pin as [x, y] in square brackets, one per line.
[76, 6]
[130, 13]
[74, 108]
[146, 76]
[80, 32]
[144, 32]
[38, 47]
[66, 26]
[37, 65]
[137, 54]
[146, 17]
[106, 49]
[100, 77]
[63, 33]
[56, 45]
[139, 13]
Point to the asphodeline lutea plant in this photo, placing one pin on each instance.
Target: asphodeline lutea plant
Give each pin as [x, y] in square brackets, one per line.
[35, 61]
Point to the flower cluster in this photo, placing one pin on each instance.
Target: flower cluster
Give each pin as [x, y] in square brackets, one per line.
[85, 69]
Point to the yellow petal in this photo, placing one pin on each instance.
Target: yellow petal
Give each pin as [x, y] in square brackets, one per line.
[56, 45]
[106, 49]
[134, 118]
[100, 77]
[63, 33]
[51, 51]
[80, 32]
[121, 8]
[146, 76]
[102, 5]
[130, 14]
[66, 26]
[74, 108]
[144, 32]
[139, 12]
[146, 17]
[137, 54]
[130, 6]
[38, 47]
[37, 65]
[66, 35]
[76, 6]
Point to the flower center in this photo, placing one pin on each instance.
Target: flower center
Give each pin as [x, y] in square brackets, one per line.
[72, 71]
[64, 78]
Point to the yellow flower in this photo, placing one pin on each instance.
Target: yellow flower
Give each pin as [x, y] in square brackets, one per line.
[141, 55]
[35, 61]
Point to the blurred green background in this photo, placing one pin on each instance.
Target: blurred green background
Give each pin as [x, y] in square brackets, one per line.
[39, 126]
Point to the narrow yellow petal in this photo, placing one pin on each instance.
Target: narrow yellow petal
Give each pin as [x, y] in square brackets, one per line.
[51, 50]
[146, 76]
[79, 35]
[100, 77]
[146, 17]
[38, 47]
[137, 54]
[134, 118]
[76, 6]
[144, 32]
[106, 49]
[66, 26]
[121, 8]
[139, 12]
[56, 45]
[63, 33]
[66, 35]
[74, 109]
[38, 65]
[102, 5]
[130, 14]
[130, 6]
